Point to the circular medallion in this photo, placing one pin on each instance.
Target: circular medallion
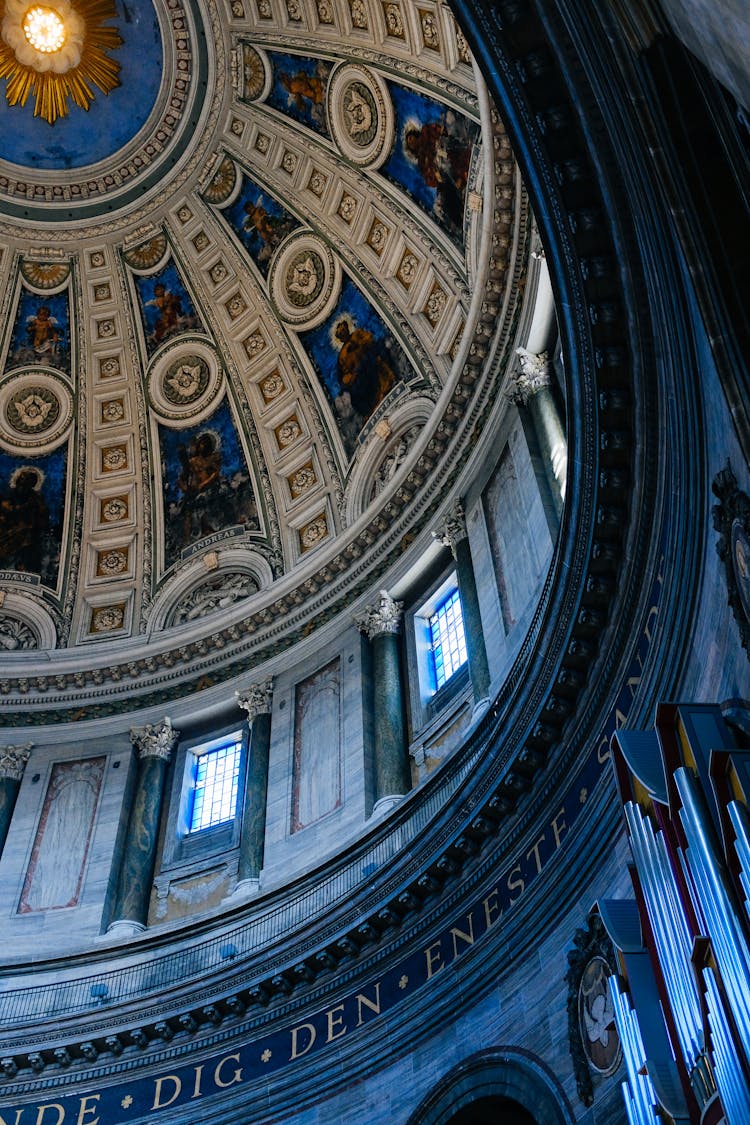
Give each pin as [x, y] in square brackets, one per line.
[741, 565]
[361, 115]
[304, 280]
[184, 384]
[596, 1017]
[36, 411]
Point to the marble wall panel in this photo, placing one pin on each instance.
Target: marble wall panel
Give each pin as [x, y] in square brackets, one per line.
[316, 787]
[54, 877]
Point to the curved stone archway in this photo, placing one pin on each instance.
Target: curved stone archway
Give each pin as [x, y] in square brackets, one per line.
[501, 1079]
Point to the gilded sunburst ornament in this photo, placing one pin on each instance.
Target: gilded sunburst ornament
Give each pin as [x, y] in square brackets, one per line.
[56, 50]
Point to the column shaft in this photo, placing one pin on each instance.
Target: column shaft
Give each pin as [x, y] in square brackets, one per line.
[392, 772]
[552, 443]
[139, 858]
[253, 835]
[9, 788]
[13, 761]
[475, 646]
[136, 874]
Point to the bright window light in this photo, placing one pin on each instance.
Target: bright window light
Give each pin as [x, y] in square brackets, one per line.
[447, 639]
[215, 789]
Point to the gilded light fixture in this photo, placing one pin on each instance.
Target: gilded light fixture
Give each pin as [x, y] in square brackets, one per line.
[56, 50]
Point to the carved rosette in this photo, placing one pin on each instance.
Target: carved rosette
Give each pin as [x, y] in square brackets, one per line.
[256, 699]
[13, 761]
[534, 375]
[453, 528]
[155, 740]
[385, 617]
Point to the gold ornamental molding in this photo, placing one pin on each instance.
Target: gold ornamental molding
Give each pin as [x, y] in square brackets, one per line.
[56, 50]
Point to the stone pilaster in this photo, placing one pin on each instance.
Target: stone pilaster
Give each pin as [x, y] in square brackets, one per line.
[153, 744]
[381, 624]
[13, 761]
[531, 388]
[453, 534]
[256, 700]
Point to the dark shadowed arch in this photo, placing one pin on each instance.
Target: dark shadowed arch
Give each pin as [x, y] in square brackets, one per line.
[497, 1079]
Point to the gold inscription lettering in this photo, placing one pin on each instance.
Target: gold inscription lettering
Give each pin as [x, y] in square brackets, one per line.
[19, 1114]
[492, 910]
[236, 1077]
[602, 750]
[177, 1083]
[651, 616]
[335, 1020]
[558, 827]
[535, 853]
[513, 883]
[43, 1109]
[467, 937]
[197, 1088]
[434, 958]
[296, 1053]
[373, 1005]
[86, 1109]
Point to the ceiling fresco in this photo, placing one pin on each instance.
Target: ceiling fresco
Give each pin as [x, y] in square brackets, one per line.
[240, 335]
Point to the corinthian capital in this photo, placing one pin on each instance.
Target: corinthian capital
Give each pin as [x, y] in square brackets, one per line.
[385, 617]
[533, 375]
[155, 740]
[256, 699]
[453, 528]
[13, 760]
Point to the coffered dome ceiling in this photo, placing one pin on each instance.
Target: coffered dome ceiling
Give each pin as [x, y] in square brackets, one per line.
[255, 302]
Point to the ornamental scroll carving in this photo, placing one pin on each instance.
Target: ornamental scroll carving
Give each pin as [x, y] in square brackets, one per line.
[534, 375]
[453, 529]
[13, 760]
[385, 617]
[155, 740]
[256, 699]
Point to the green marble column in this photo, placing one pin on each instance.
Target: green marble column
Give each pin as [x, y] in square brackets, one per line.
[13, 761]
[256, 700]
[453, 534]
[381, 625]
[154, 745]
[531, 389]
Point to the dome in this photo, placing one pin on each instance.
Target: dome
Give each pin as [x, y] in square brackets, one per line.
[248, 308]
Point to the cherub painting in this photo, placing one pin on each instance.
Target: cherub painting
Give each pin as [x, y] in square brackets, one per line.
[357, 359]
[260, 222]
[207, 487]
[299, 89]
[431, 156]
[41, 333]
[32, 494]
[166, 307]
